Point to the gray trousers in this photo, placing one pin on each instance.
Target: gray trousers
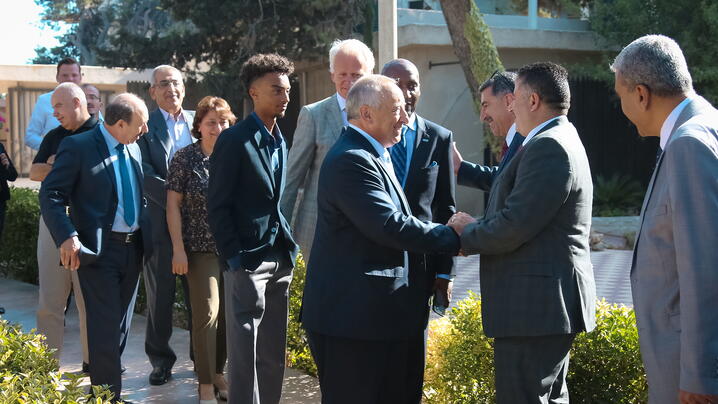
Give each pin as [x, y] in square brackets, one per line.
[532, 369]
[256, 317]
[56, 283]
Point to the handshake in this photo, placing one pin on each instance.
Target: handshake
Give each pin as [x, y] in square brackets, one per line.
[459, 221]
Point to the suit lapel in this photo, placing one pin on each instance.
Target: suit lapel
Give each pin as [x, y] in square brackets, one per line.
[404, 205]
[106, 160]
[189, 119]
[259, 141]
[158, 127]
[334, 117]
[422, 148]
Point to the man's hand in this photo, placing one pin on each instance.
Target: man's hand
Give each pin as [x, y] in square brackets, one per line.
[70, 253]
[459, 221]
[456, 157]
[4, 160]
[179, 262]
[685, 397]
[50, 160]
[444, 287]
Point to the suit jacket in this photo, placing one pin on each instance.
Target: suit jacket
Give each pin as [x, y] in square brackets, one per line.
[536, 272]
[244, 196]
[155, 146]
[318, 128]
[358, 283]
[83, 179]
[482, 177]
[674, 276]
[429, 189]
[6, 174]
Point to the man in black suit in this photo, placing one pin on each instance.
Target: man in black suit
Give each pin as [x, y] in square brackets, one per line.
[422, 163]
[98, 174]
[363, 309]
[497, 94]
[246, 181]
[168, 131]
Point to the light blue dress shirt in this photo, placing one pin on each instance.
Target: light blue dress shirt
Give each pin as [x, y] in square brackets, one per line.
[119, 224]
[409, 140]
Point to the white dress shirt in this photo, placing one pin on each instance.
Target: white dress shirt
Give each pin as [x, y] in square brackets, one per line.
[343, 107]
[41, 121]
[510, 134]
[178, 130]
[670, 121]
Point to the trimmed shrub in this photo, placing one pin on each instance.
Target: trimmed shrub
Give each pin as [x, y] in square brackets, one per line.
[18, 256]
[28, 375]
[617, 196]
[298, 354]
[605, 364]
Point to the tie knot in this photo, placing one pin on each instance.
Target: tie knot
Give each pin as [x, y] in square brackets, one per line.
[120, 147]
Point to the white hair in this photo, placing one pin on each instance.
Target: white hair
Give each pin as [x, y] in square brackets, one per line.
[73, 90]
[354, 47]
[657, 62]
[369, 90]
[160, 68]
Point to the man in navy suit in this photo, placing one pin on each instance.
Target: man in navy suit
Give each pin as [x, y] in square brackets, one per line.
[247, 176]
[422, 162]
[360, 306]
[98, 174]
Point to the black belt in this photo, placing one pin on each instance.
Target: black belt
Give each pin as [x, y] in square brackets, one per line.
[126, 238]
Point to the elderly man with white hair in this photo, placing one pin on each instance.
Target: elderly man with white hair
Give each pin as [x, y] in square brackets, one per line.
[360, 311]
[674, 277]
[318, 128]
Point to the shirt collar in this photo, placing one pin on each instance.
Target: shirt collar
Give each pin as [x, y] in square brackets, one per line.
[670, 122]
[510, 134]
[412, 122]
[380, 150]
[342, 102]
[537, 129]
[275, 137]
[168, 116]
[109, 139]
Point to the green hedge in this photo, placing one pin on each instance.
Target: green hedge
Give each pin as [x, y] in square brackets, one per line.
[298, 354]
[28, 372]
[605, 364]
[18, 257]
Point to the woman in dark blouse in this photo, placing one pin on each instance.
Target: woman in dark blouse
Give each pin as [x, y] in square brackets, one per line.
[194, 250]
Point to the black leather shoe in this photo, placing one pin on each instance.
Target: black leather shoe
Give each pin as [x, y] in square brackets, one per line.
[160, 375]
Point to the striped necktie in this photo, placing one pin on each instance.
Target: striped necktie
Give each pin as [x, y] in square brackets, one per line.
[128, 202]
[398, 156]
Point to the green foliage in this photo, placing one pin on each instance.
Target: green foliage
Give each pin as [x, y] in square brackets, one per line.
[298, 354]
[19, 239]
[605, 364]
[28, 372]
[690, 23]
[618, 195]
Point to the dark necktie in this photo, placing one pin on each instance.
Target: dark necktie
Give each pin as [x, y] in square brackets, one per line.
[127, 195]
[516, 144]
[398, 157]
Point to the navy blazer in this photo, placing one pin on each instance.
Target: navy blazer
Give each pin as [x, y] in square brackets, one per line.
[358, 284]
[83, 179]
[244, 196]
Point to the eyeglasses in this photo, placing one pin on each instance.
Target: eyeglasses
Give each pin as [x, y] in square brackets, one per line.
[167, 83]
[92, 97]
[498, 77]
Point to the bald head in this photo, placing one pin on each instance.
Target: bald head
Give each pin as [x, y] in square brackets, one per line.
[407, 78]
[69, 106]
[126, 118]
[375, 105]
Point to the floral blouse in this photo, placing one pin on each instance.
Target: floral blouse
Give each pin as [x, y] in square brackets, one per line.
[188, 175]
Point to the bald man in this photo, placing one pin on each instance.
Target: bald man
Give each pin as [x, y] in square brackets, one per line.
[70, 109]
[102, 237]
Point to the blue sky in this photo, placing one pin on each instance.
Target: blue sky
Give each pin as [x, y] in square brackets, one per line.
[21, 31]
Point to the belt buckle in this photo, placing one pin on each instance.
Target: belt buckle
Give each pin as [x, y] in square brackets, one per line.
[128, 238]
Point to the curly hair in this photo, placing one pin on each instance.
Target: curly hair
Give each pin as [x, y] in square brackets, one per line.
[261, 64]
[207, 105]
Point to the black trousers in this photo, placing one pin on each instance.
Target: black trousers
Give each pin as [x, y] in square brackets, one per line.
[353, 371]
[108, 286]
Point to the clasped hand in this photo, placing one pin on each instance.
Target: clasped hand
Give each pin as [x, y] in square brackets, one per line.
[459, 221]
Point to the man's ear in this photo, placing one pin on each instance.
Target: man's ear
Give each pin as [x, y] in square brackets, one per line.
[365, 113]
[644, 96]
[508, 99]
[534, 101]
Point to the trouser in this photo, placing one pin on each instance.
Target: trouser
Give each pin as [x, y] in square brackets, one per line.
[257, 331]
[206, 294]
[109, 285]
[160, 292]
[532, 369]
[56, 283]
[355, 371]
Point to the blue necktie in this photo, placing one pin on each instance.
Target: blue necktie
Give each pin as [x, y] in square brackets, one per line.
[398, 156]
[127, 194]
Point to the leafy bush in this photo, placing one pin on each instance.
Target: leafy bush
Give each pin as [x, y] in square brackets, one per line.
[605, 364]
[617, 196]
[28, 375]
[18, 256]
[298, 354]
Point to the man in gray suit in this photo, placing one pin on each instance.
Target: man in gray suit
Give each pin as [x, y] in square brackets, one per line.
[169, 130]
[537, 284]
[674, 276]
[318, 128]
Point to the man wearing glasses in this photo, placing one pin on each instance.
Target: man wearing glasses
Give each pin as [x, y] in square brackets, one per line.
[94, 101]
[497, 94]
[168, 131]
